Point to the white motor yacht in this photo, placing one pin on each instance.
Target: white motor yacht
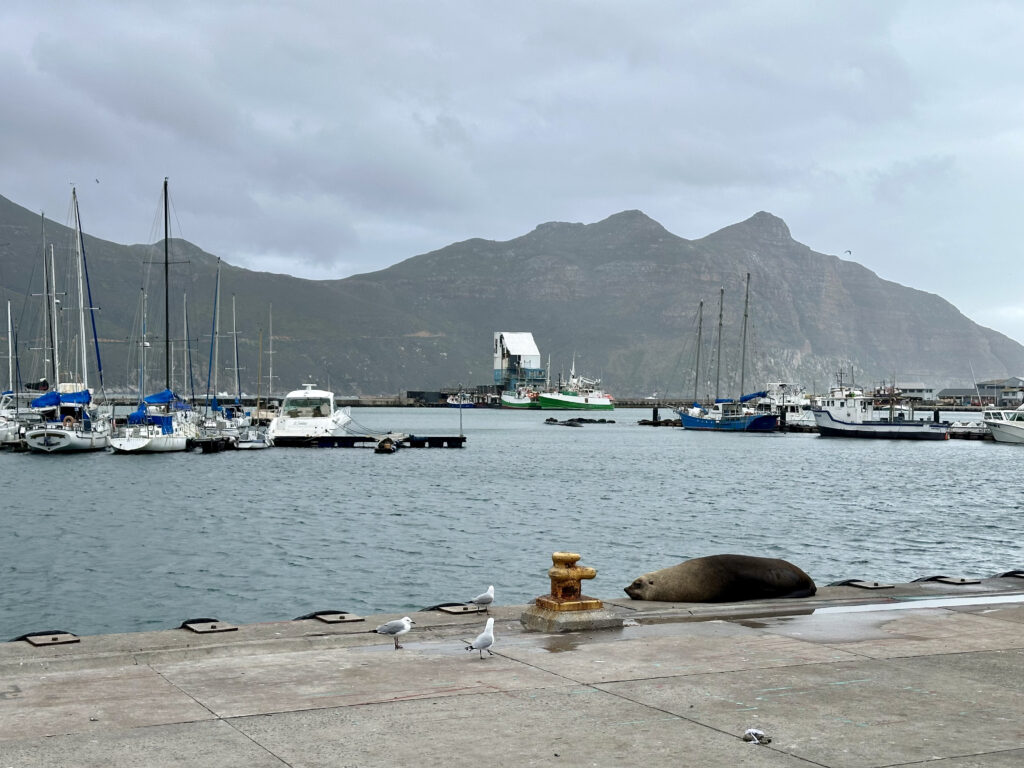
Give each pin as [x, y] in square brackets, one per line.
[1005, 426]
[308, 417]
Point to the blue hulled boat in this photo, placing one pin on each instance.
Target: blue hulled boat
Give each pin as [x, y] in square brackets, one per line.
[728, 415]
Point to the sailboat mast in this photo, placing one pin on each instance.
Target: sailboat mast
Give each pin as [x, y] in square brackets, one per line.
[10, 349]
[142, 352]
[270, 355]
[718, 360]
[53, 320]
[259, 374]
[83, 350]
[186, 373]
[48, 333]
[743, 345]
[696, 367]
[234, 334]
[216, 331]
[167, 290]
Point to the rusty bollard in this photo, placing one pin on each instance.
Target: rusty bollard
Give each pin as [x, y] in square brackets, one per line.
[566, 585]
[567, 609]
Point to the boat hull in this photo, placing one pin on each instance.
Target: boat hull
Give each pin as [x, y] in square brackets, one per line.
[148, 443]
[1006, 432]
[829, 426]
[58, 439]
[568, 402]
[744, 423]
[523, 403]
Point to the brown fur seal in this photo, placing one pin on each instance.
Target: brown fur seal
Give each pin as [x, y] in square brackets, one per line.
[722, 579]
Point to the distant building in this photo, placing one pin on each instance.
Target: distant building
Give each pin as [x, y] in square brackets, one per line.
[517, 360]
[956, 396]
[1003, 392]
[916, 390]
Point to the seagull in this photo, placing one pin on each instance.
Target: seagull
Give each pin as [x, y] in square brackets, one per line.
[484, 640]
[395, 628]
[485, 599]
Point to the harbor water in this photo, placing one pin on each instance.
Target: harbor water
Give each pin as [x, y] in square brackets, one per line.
[100, 543]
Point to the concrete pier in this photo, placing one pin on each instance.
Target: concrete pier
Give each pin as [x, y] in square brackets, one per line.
[852, 678]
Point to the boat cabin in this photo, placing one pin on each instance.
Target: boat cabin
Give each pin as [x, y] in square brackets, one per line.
[308, 404]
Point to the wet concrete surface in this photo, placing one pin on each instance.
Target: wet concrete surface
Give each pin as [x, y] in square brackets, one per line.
[921, 673]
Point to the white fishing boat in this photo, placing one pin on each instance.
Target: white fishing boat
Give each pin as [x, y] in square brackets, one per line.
[308, 417]
[1005, 426]
[460, 400]
[847, 412]
[577, 394]
[522, 397]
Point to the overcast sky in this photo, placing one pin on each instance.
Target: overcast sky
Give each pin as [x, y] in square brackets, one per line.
[325, 139]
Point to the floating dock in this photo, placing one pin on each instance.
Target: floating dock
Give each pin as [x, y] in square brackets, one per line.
[371, 441]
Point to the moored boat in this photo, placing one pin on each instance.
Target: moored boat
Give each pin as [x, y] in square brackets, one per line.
[578, 394]
[67, 425]
[308, 417]
[460, 400]
[162, 423]
[521, 397]
[789, 403]
[726, 414]
[69, 422]
[847, 412]
[1005, 426]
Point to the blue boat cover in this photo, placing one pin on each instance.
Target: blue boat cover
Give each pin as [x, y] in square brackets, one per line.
[52, 399]
[138, 416]
[167, 397]
[752, 395]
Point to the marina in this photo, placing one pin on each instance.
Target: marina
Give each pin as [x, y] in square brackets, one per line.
[144, 542]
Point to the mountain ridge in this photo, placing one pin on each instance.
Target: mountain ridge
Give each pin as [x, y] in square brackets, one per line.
[619, 294]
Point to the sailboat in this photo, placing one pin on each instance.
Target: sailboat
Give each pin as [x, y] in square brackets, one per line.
[70, 424]
[164, 421]
[252, 435]
[726, 414]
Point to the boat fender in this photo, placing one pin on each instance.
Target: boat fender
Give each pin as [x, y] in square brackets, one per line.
[68, 422]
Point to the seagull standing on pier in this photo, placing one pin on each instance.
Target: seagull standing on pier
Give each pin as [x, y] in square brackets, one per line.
[484, 640]
[395, 628]
[485, 599]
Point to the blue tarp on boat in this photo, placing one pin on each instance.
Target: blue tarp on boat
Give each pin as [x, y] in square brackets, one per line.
[52, 399]
[167, 397]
